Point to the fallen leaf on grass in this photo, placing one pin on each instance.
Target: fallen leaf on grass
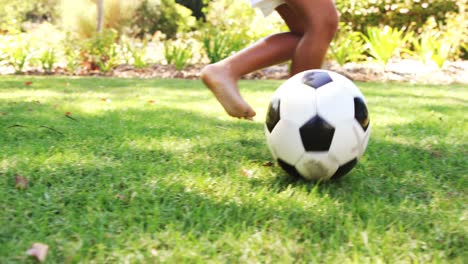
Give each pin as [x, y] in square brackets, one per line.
[247, 173]
[21, 182]
[51, 129]
[68, 115]
[16, 125]
[38, 251]
[27, 83]
[267, 164]
[151, 101]
[121, 197]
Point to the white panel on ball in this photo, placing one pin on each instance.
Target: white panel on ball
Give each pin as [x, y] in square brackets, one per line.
[286, 141]
[269, 143]
[316, 165]
[345, 143]
[334, 105]
[298, 104]
[364, 137]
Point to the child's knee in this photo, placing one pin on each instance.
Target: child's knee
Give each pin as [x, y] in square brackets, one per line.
[325, 24]
[332, 23]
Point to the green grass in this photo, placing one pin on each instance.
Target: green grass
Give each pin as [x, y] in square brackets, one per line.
[140, 182]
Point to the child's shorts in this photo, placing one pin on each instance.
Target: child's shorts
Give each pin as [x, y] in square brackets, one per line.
[266, 6]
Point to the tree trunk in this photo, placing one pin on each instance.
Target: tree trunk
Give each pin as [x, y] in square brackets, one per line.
[100, 15]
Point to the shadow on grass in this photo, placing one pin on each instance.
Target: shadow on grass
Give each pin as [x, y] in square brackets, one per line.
[226, 137]
[111, 203]
[114, 178]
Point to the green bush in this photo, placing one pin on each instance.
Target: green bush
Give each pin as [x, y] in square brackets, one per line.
[195, 5]
[384, 43]
[48, 58]
[43, 10]
[80, 17]
[455, 31]
[361, 14]
[136, 17]
[100, 52]
[178, 53]
[12, 14]
[347, 46]
[464, 51]
[71, 51]
[162, 15]
[439, 43]
[17, 51]
[133, 52]
[231, 26]
[220, 46]
[237, 17]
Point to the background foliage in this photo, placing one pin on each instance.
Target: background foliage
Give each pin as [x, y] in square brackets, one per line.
[432, 31]
[394, 13]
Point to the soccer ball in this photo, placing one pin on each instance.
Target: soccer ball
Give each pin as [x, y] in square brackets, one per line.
[317, 126]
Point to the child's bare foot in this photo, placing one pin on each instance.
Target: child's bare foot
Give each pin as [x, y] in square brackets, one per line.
[218, 79]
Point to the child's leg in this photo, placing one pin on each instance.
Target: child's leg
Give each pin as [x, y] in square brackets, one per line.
[222, 77]
[316, 21]
[312, 24]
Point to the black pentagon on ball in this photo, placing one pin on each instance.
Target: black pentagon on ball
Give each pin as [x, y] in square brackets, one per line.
[316, 79]
[344, 169]
[360, 113]
[317, 134]
[273, 114]
[290, 169]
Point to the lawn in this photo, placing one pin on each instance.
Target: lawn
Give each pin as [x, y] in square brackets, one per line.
[145, 171]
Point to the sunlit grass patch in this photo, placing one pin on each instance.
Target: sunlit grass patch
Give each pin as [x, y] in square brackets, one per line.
[154, 171]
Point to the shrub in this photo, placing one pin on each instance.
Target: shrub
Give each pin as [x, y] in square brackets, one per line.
[162, 15]
[17, 51]
[81, 16]
[178, 53]
[438, 42]
[100, 52]
[71, 51]
[133, 52]
[384, 43]
[238, 18]
[394, 13]
[464, 51]
[238, 26]
[43, 11]
[195, 5]
[3, 55]
[12, 14]
[48, 58]
[220, 46]
[431, 46]
[455, 31]
[347, 46]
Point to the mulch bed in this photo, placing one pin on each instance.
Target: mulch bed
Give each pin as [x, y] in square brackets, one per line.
[409, 71]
